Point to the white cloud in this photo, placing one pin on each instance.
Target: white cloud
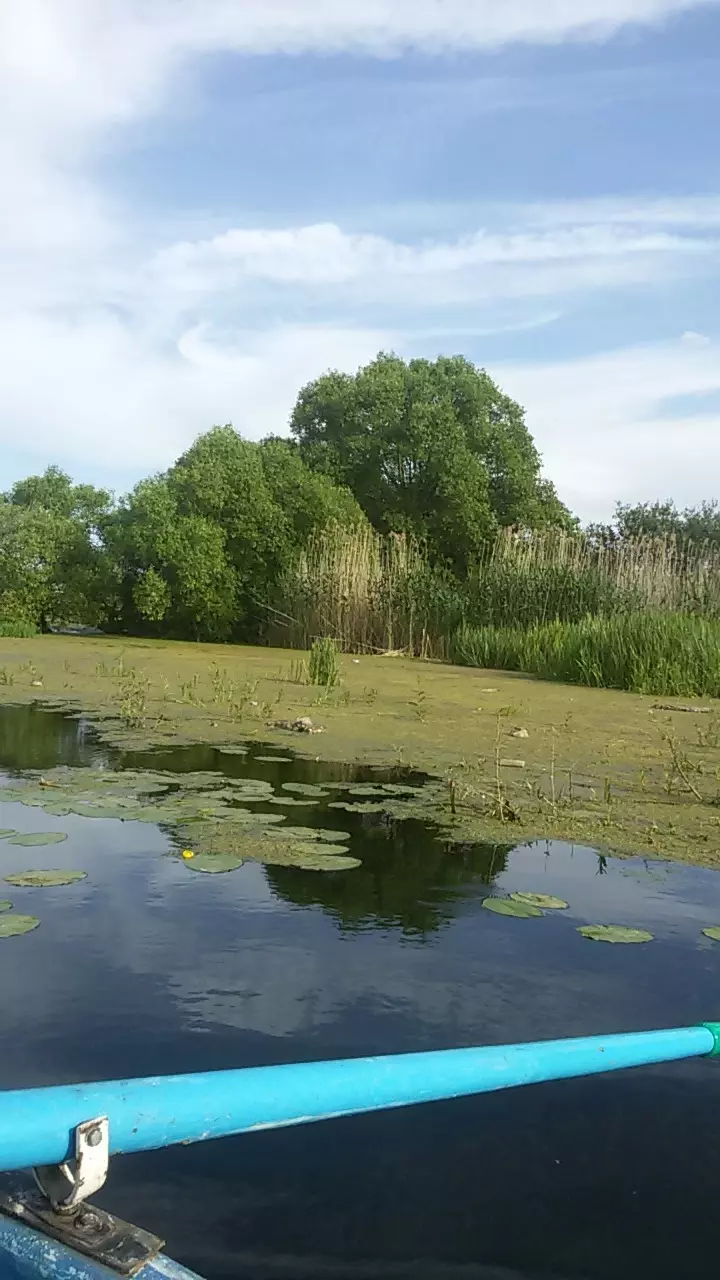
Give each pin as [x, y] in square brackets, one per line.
[324, 254]
[94, 392]
[116, 351]
[598, 423]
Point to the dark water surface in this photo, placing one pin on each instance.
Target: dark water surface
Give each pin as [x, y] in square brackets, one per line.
[148, 968]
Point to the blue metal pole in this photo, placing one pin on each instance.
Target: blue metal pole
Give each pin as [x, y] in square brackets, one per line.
[37, 1125]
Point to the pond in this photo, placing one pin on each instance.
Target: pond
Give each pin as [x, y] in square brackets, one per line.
[144, 967]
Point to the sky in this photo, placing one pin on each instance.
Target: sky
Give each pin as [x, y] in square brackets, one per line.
[209, 203]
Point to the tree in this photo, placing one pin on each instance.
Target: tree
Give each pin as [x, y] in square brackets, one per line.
[174, 566]
[201, 546]
[661, 520]
[54, 564]
[307, 499]
[432, 448]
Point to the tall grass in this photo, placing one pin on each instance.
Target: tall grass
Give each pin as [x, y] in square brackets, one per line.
[369, 593]
[21, 630]
[377, 594]
[655, 653]
[323, 663]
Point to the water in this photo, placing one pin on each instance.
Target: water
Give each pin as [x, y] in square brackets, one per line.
[148, 968]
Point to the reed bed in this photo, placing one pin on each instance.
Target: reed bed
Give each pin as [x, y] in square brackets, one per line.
[378, 594]
[671, 654]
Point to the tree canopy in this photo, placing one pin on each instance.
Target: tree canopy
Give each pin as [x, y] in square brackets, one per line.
[201, 546]
[428, 447]
[53, 564]
[661, 520]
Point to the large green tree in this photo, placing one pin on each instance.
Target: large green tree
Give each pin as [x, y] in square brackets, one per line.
[428, 447]
[201, 546]
[53, 564]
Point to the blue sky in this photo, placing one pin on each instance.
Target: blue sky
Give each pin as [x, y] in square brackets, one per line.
[213, 201]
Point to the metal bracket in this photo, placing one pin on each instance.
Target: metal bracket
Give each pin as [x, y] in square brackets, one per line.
[66, 1188]
[115, 1244]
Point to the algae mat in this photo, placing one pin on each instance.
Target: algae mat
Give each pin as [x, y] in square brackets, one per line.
[599, 767]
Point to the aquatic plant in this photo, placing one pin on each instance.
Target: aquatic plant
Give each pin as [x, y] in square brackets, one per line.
[614, 933]
[12, 924]
[323, 663]
[18, 629]
[510, 907]
[45, 879]
[653, 653]
[543, 900]
[35, 838]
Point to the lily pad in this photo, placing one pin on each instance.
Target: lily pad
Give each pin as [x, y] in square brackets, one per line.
[544, 900]
[366, 789]
[45, 879]
[358, 807]
[304, 788]
[9, 831]
[324, 862]
[214, 863]
[12, 925]
[274, 759]
[614, 933]
[713, 932]
[318, 847]
[5, 906]
[296, 801]
[308, 859]
[36, 838]
[506, 907]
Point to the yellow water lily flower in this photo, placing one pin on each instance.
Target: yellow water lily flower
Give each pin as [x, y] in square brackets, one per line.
[188, 853]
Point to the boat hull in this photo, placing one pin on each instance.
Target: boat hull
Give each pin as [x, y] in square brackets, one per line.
[26, 1254]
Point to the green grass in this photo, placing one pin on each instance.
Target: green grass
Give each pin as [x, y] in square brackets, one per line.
[19, 630]
[323, 663]
[660, 654]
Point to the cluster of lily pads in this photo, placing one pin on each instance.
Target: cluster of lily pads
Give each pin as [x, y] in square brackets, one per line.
[13, 923]
[525, 906]
[210, 812]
